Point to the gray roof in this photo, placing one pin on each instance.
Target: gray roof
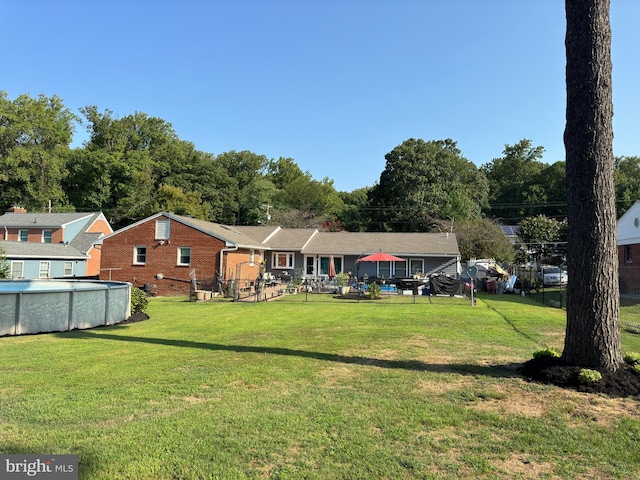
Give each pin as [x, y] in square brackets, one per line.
[230, 234]
[358, 243]
[260, 233]
[15, 250]
[291, 238]
[84, 241]
[42, 220]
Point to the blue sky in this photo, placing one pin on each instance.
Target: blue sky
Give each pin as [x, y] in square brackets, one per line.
[333, 84]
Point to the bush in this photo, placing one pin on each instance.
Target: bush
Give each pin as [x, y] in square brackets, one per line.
[589, 376]
[374, 290]
[632, 358]
[636, 368]
[547, 352]
[139, 300]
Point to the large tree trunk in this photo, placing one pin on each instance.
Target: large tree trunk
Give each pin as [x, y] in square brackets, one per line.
[593, 303]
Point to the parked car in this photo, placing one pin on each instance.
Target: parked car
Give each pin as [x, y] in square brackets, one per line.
[552, 276]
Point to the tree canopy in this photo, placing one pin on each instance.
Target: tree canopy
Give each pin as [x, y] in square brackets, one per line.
[135, 165]
[425, 181]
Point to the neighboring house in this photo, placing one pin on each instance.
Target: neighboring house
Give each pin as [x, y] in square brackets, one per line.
[629, 250]
[511, 232]
[306, 253]
[52, 245]
[165, 252]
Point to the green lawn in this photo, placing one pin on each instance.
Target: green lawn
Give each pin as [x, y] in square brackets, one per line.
[319, 390]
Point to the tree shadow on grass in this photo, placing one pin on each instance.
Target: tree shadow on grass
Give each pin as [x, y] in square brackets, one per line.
[503, 370]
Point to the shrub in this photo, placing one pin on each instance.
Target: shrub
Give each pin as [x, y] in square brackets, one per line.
[139, 300]
[632, 358]
[374, 290]
[589, 376]
[547, 352]
[636, 368]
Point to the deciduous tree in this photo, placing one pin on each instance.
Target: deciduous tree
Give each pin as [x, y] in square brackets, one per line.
[593, 307]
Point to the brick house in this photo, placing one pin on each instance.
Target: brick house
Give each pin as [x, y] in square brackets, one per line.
[166, 252]
[52, 245]
[629, 250]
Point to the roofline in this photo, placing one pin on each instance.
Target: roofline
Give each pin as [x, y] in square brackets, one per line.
[315, 232]
[177, 218]
[278, 228]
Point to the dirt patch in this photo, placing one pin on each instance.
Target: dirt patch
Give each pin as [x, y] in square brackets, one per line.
[624, 382]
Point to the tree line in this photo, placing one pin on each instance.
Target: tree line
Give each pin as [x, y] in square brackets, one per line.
[133, 166]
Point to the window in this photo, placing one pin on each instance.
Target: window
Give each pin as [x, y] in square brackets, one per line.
[627, 254]
[310, 262]
[45, 270]
[68, 269]
[17, 269]
[324, 265]
[416, 266]
[400, 269]
[252, 257]
[184, 255]
[23, 235]
[282, 260]
[46, 236]
[384, 269]
[163, 229]
[139, 255]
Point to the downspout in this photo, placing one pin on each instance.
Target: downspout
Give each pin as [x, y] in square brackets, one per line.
[6, 233]
[222, 252]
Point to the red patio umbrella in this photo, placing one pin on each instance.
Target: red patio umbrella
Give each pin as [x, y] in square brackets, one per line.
[332, 267]
[381, 257]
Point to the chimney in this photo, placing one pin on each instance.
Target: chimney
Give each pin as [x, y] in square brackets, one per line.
[16, 209]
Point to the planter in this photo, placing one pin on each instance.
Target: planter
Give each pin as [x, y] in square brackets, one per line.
[344, 290]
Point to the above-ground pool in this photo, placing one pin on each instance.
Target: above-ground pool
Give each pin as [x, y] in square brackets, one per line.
[37, 306]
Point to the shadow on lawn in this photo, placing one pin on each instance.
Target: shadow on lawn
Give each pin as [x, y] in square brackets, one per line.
[505, 370]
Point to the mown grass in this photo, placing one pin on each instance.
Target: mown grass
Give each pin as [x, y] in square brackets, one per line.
[321, 390]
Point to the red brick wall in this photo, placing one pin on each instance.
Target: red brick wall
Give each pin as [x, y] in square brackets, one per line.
[118, 254]
[100, 226]
[629, 273]
[35, 234]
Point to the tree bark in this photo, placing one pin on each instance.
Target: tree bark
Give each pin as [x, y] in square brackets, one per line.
[593, 299]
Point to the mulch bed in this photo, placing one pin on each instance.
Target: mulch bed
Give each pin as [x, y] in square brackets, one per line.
[624, 382]
[136, 317]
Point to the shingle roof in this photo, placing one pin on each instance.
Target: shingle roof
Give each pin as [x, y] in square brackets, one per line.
[42, 220]
[224, 232]
[357, 243]
[291, 238]
[84, 241]
[260, 233]
[41, 250]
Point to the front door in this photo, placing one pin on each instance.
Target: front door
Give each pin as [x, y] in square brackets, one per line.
[309, 266]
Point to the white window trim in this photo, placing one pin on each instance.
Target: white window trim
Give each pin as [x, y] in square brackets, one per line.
[50, 235]
[291, 260]
[165, 232]
[179, 252]
[48, 265]
[135, 255]
[252, 257]
[411, 260]
[20, 235]
[65, 269]
[17, 262]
